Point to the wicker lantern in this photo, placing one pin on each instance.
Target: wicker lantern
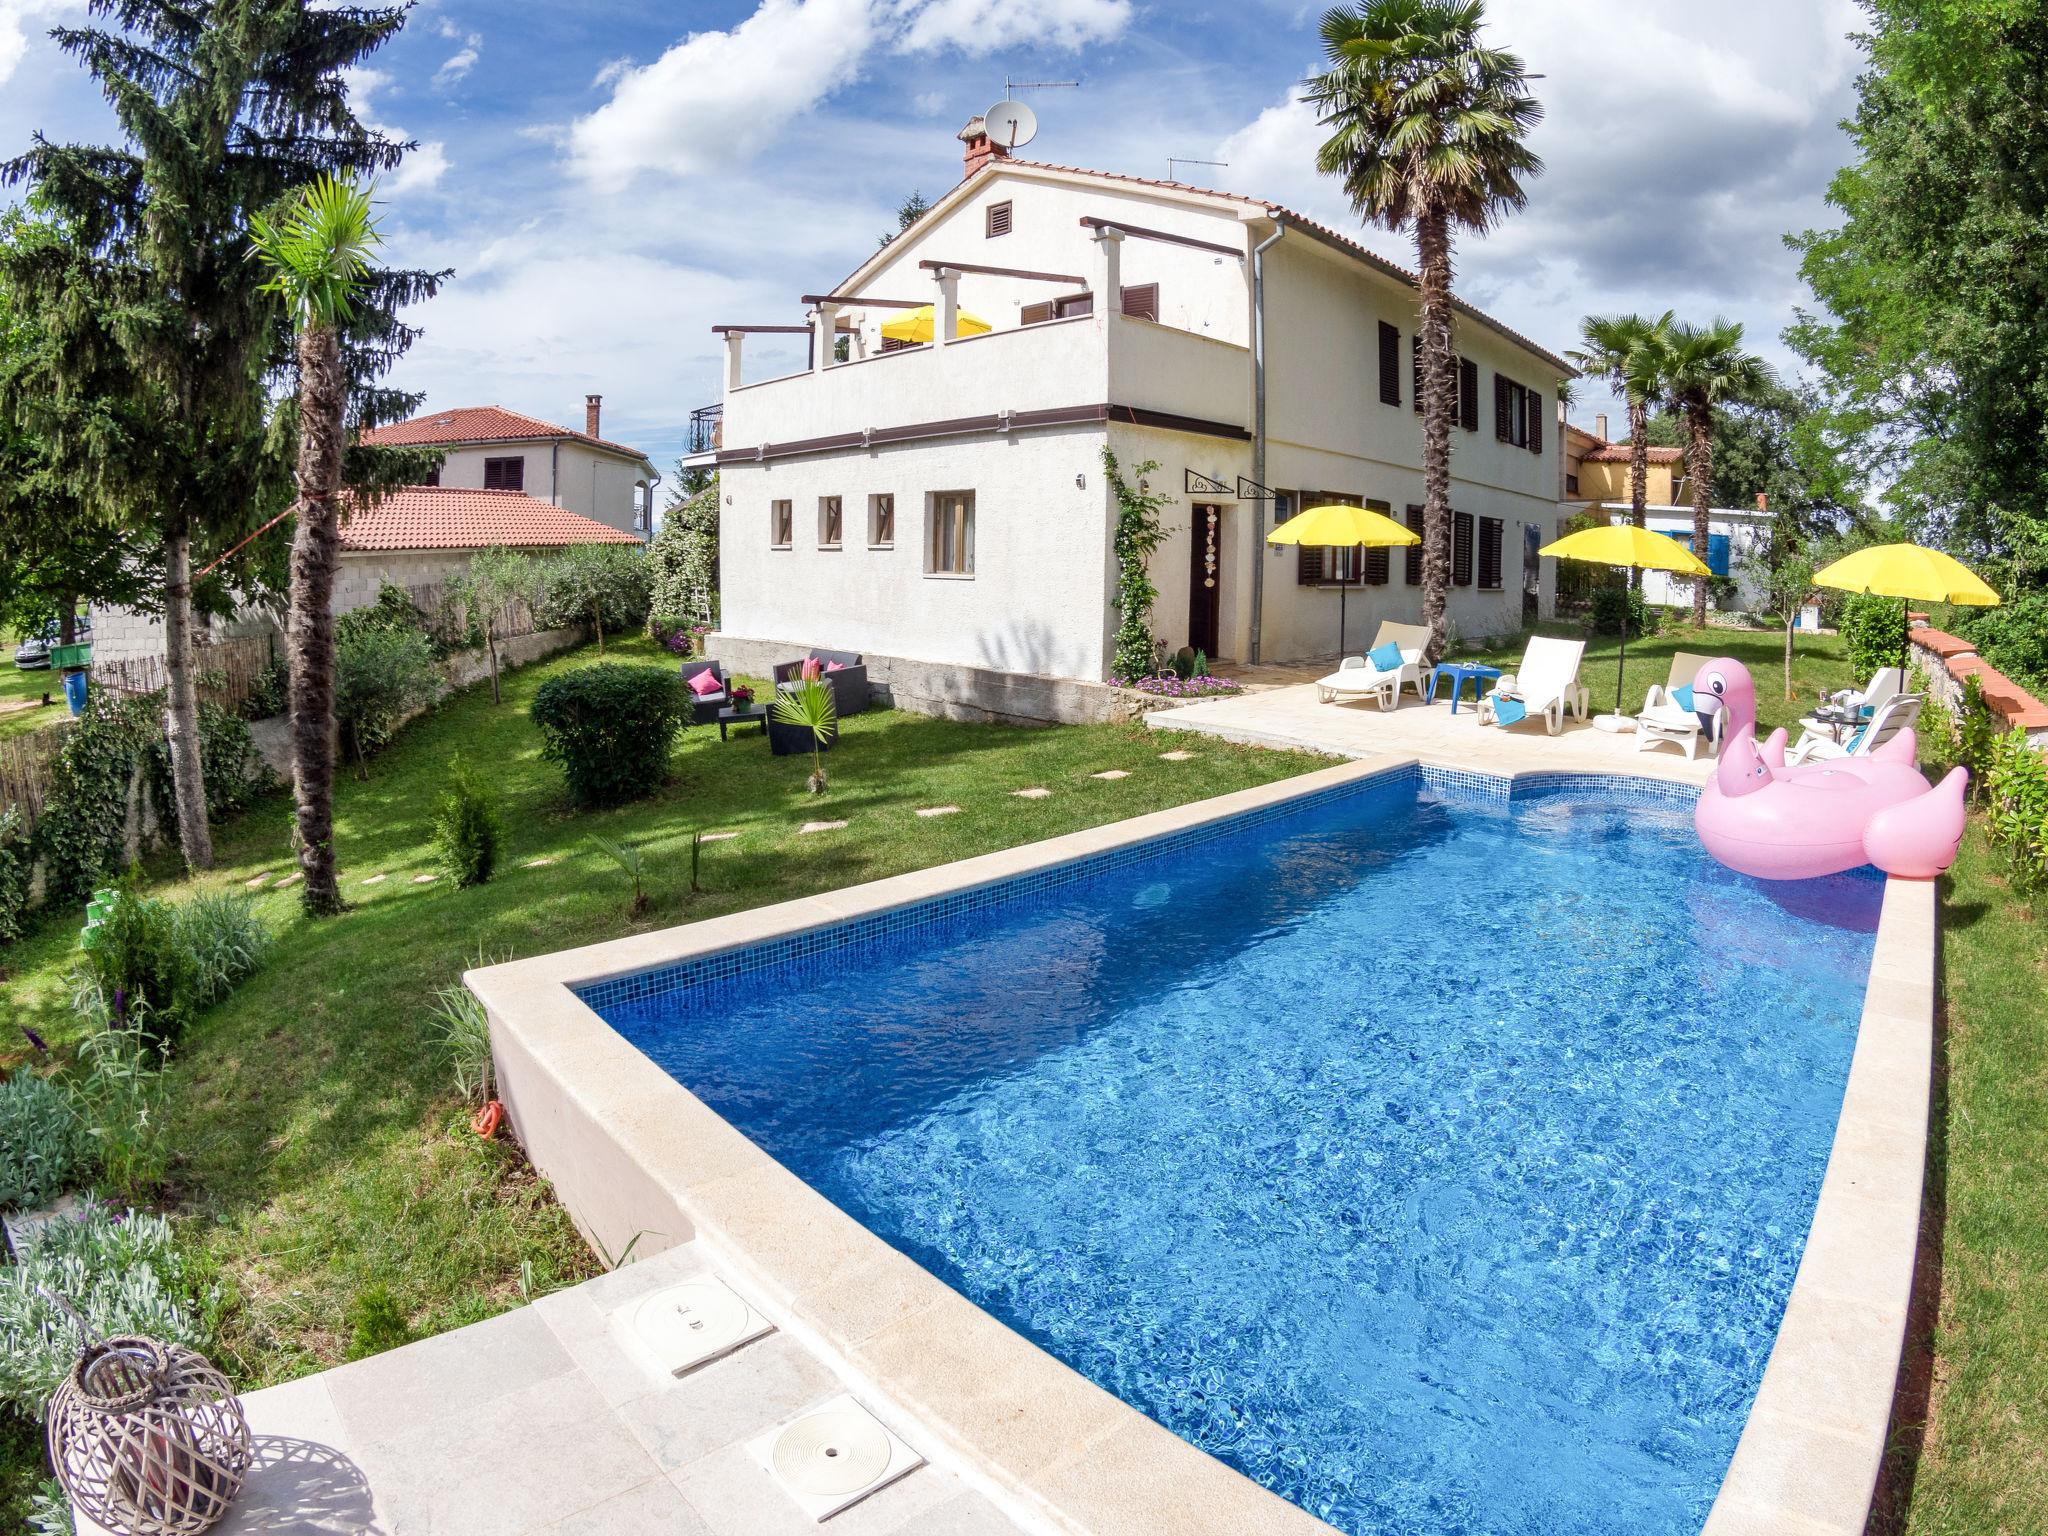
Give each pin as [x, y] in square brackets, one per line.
[148, 1438]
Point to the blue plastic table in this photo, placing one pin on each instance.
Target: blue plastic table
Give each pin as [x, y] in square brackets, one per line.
[1458, 671]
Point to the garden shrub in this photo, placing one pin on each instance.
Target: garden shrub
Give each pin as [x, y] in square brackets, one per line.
[49, 1510]
[467, 826]
[222, 939]
[157, 964]
[2016, 811]
[2013, 637]
[17, 862]
[270, 694]
[118, 1091]
[235, 774]
[611, 728]
[1609, 604]
[43, 1146]
[603, 585]
[83, 826]
[376, 1322]
[392, 612]
[1874, 630]
[682, 561]
[1138, 534]
[122, 1271]
[382, 674]
[463, 1030]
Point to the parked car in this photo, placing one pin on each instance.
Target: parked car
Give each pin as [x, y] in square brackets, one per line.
[34, 651]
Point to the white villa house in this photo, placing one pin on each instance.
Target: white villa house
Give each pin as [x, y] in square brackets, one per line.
[942, 507]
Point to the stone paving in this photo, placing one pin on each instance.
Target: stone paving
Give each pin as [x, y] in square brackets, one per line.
[544, 1422]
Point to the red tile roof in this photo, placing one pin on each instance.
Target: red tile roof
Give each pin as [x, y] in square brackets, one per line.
[442, 517]
[480, 424]
[1618, 453]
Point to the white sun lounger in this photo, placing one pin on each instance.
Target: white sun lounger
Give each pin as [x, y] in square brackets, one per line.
[1546, 685]
[1357, 678]
[1665, 719]
[1899, 712]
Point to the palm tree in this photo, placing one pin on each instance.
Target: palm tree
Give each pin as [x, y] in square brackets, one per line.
[317, 254]
[1427, 129]
[1704, 366]
[1627, 352]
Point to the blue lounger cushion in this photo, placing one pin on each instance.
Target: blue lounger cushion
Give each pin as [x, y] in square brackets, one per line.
[1682, 696]
[1385, 658]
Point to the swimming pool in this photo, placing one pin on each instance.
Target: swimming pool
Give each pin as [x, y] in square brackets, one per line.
[1440, 1161]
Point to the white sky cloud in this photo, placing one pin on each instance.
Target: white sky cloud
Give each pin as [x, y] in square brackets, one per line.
[976, 27]
[19, 19]
[459, 63]
[421, 170]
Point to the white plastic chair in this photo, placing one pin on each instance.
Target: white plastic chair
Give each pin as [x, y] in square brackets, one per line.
[1664, 719]
[1357, 678]
[1547, 684]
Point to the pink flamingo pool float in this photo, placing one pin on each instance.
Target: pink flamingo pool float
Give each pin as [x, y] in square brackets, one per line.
[1761, 818]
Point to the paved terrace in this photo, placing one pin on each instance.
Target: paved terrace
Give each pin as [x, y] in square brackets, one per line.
[1289, 715]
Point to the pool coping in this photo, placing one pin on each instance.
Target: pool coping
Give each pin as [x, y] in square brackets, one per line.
[634, 1155]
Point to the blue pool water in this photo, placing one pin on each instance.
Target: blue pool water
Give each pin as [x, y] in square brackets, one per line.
[1441, 1164]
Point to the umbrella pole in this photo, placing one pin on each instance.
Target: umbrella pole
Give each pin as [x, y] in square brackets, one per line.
[1343, 592]
[1621, 661]
[1905, 637]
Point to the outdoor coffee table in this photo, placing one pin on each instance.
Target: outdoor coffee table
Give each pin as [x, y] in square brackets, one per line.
[1458, 671]
[743, 714]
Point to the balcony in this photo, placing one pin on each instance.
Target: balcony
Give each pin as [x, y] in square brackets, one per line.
[1033, 375]
[705, 423]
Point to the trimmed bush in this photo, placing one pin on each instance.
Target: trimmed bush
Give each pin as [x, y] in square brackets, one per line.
[2016, 811]
[611, 727]
[382, 673]
[602, 585]
[467, 827]
[1610, 603]
[157, 964]
[43, 1147]
[1874, 629]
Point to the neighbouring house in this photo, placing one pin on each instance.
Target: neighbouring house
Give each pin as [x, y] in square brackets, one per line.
[1595, 476]
[416, 538]
[492, 449]
[941, 507]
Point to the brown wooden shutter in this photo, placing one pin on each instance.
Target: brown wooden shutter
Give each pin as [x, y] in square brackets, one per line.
[893, 344]
[1468, 394]
[1536, 399]
[1501, 407]
[1415, 371]
[1308, 566]
[1461, 549]
[1390, 364]
[998, 219]
[1489, 553]
[1378, 563]
[1412, 572]
[1035, 314]
[1141, 301]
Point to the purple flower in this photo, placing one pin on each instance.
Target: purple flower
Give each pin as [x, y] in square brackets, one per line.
[120, 1005]
[41, 1045]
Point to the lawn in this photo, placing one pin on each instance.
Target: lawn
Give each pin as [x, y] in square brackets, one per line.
[17, 686]
[1818, 661]
[323, 1149]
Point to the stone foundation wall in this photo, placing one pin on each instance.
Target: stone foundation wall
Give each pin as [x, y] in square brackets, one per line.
[1947, 660]
[947, 689]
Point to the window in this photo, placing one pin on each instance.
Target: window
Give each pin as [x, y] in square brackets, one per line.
[433, 476]
[894, 344]
[949, 550]
[1489, 553]
[1066, 307]
[781, 524]
[1571, 485]
[1412, 571]
[1035, 314]
[1461, 549]
[881, 522]
[1316, 566]
[1141, 300]
[830, 522]
[1515, 408]
[1468, 394]
[1390, 364]
[996, 220]
[1378, 560]
[505, 474]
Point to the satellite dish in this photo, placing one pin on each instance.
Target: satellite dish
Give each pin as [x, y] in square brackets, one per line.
[1010, 124]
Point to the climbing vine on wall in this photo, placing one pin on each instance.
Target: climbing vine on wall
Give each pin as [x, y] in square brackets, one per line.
[1138, 534]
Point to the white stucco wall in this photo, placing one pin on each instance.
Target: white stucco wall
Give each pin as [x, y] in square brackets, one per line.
[586, 480]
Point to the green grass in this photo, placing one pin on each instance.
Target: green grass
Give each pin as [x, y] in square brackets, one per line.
[17, 685]
[321, 1147]
[1818, 661]
[1972, 1459]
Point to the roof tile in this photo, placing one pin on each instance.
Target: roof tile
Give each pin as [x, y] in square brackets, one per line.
[443, 517]
[480, 424]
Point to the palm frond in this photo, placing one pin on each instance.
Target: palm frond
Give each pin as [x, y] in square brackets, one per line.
[317, 250]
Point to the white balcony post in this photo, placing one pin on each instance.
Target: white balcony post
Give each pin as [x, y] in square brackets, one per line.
[1109, 272]
[946, 323]
[735, 343]
[824, 336]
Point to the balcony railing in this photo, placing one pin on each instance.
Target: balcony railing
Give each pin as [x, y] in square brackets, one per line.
[705, 424]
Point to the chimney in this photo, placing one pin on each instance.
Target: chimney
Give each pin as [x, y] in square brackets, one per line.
[593, 408]
[979, 150]
[1763, 501]
[1600, 426]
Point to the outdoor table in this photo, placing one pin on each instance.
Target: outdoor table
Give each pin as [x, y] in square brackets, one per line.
[743, 714]
[1458, 671]
[1833, 722]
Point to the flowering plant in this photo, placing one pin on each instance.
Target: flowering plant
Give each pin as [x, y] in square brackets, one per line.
[1200, 686]
[742, 694]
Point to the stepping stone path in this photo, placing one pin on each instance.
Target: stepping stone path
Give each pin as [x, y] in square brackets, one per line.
[540, 863]
[821, 826]
[1031, 794]
[1110, 773]
[718, 837]
[1175, 757]
[424, 879]
[260, 880]
[291, 879]
[940, 810]
[376, 879]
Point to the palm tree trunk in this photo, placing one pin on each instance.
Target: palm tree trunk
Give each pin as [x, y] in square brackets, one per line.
[181, 704]
[1433, 248]
[1699, 462]
[1638, 474]
[310, 636]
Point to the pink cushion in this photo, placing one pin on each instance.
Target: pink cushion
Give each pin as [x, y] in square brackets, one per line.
[704, 684]
[835, 666]
[811, 668]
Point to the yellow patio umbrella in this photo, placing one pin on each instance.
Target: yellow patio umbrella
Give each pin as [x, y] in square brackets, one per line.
[1908, 572]
[1340, 527]
[1625, 544]
[922, 324]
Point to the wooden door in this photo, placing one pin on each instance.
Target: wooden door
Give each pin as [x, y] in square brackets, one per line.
[1205, 579]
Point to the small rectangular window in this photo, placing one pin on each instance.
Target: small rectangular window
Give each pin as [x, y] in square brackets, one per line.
[830, 522]
[949, 548]
[1390, 364]
[998, 220]
[881, 522]
[1571, 485]
[781, 524]
[433, 476]
[1514, 408]
[1141, 300]
[1073, 305]
[505, 474]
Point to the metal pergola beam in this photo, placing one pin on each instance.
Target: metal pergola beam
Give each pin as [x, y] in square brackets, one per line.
[1030, 277]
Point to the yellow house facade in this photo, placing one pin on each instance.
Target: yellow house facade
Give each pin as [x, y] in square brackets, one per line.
[1596, 470]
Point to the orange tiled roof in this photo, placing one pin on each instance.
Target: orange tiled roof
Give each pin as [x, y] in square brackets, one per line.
[1618, 453]
[480, 424]
[442, 517]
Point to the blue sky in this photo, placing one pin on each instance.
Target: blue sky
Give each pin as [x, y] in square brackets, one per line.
[610, 179]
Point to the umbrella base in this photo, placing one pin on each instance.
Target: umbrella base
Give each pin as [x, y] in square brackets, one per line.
[1617, 725]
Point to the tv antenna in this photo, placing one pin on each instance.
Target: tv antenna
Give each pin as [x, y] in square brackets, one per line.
[1012, 86]
[1173, 160]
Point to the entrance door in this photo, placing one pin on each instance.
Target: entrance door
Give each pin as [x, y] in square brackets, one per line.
[1205, 577]
[1532, 572]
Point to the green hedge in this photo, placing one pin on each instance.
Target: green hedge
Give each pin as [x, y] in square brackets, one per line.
[611, 727]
